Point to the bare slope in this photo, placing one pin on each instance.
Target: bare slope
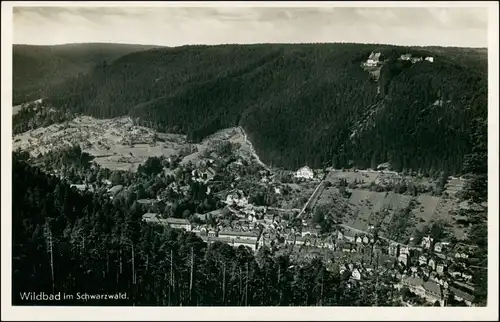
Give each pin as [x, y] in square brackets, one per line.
[119, 144]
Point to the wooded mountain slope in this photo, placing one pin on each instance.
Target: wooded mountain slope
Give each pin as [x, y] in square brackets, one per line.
[300, 104]
[36, 67]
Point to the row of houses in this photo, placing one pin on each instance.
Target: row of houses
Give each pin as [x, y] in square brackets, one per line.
[374, 59]
[429, 243]
[435, 290]
[253, 245]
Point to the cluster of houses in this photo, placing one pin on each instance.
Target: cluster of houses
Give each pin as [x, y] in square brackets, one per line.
[374, 59]
[432, 275]
[425, 275]
[356, 270]
[435, 289]
[414, 59]
[238, 198]
[425, 270]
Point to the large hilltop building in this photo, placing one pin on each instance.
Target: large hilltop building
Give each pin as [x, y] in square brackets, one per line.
[373, 60]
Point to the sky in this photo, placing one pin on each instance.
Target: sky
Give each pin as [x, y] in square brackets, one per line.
[176, 26]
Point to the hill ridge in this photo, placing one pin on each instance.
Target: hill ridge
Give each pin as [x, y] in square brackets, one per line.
[298, 103]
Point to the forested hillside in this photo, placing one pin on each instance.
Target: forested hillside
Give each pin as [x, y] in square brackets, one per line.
[37, 67]
[299, 104]
[81, 242]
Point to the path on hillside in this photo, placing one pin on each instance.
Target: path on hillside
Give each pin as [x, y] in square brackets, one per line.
[313, 195]
[311, 198]
[252, 150]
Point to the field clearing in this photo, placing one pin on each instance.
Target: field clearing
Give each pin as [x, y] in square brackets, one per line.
[115, 143]
[16, 109]
[145, 150]
[329, 195]
[118, 144]
[425, 210]
[366, 177]
[365, 203]
[454, 185]
[116, 165]
[444, 211]
[194, 158]
[350, 176]
[233, 135]
[294, 186]
[367, 207]
[394, 203]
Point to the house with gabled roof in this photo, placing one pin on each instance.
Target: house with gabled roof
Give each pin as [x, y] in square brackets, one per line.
[356, 275]
[240, 235]
[427, 242]
[177, 223]
[305, 173]
[462, 296]
[151, 218]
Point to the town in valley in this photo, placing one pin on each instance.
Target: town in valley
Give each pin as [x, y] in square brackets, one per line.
[250, 156]
[403, 229]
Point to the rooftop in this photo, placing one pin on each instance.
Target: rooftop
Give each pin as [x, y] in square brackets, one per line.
[146, 201]
[415, 281]
[462, 294]
[470, 287]
[238, 233]
[178, 221]
[432, 286]
[227, 240]
[149, 215]
[115, 189]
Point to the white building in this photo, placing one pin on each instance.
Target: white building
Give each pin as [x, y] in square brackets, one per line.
[305, 173]
[404, 250]
[393, 249]
[432, 264]
[429, 59]
[405, 57]
[373, 59]
[422, 260]
[356, 275]
[426, 242]
[403, 258]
